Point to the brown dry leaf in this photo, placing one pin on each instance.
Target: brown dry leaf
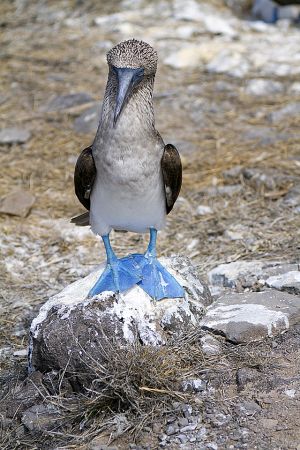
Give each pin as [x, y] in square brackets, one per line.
[17, 203]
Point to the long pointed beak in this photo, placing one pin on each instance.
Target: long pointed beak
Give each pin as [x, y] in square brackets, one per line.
[127, 79]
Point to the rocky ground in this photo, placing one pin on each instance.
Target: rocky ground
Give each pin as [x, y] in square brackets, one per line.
[228, 96]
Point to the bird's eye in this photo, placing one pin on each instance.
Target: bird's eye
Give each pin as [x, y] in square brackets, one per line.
[138, 75]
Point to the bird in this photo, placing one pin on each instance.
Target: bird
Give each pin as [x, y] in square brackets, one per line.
[129, 179]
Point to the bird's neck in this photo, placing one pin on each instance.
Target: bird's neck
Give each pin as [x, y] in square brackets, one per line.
[137, 116]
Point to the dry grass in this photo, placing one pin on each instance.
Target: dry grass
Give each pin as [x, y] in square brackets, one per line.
[135, 387]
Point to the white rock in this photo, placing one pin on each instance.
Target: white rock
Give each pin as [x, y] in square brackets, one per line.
[21, 353]
[259, 87]
[14, 135]
[116, 18]
[210, 345]
[196, 385]
[192, 244]
[217, 25]
[191, 10]
[229, 62]
[247, 272]
[290, 392]
[233, 235]
[203, 210]
[252, 316]
[286, 281]
[186, 57]
[295, 88]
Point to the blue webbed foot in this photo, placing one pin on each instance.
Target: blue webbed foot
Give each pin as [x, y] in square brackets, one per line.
[118, 276]
[157, 281]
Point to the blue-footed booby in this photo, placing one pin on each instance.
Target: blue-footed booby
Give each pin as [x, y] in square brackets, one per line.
[128, 178]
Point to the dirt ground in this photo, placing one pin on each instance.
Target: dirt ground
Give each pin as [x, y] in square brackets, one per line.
[216, 127]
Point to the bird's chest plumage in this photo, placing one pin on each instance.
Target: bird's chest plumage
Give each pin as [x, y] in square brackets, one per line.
[127, 169]
[128, 192]
[129, 164]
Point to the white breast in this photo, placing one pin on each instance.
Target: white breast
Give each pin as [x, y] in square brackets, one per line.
[128, 193]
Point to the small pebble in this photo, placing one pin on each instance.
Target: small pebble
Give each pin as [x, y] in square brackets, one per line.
[162, 437]
[171, 429]
[183, 438]
[183, 422]
[156, 427]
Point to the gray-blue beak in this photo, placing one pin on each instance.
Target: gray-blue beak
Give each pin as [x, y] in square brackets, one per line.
[127, 79]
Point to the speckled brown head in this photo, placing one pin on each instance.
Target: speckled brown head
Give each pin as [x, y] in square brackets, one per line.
[130, 63]
[133, 54]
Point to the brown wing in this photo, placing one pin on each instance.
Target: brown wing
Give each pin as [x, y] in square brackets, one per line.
[287, 2]
[84, 177]
[172, 174]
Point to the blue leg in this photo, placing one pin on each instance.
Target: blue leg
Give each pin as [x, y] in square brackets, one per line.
[156, 280]
[119, 274]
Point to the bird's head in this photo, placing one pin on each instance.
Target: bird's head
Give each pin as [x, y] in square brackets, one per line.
[130, 62]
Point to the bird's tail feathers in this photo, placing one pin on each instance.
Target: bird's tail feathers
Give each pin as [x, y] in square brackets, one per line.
[81, 221]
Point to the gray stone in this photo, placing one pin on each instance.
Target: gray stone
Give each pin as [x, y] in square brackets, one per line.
[88, 121]
[246, 375]
[247, 273]
[183, 438]
[235, 234]
[219, 420]
[3, 99]
[190, 427]
[18, 203]
[233, 172]
[183, 422]
[187, 410]
[70, 323]
[14, 136]
[212, 446]
[228, 190]
[249, 408]
[210, 345]
[289, 281]
[23, 396]
[261, 87]
[41, 417]
[156, 427]
[252, 316]
[259, 179]
[171, 429]
[292, 198]
[68, 101]
[289, 111]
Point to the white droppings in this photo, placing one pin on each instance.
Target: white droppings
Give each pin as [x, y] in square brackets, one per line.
[134, 307]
